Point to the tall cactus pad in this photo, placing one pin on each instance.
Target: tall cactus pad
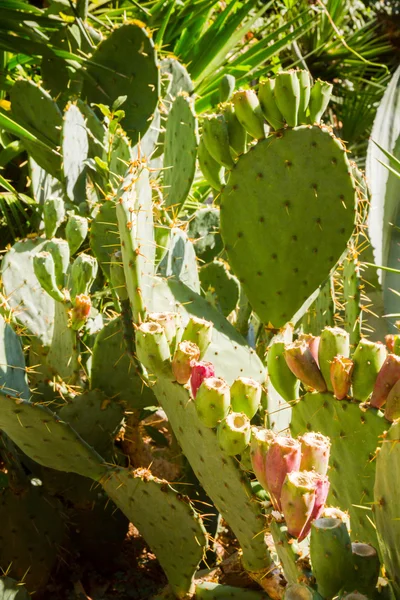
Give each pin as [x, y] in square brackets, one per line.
[13, 378]
[180, 541]
[230, 490]
[126, 66]
[387, 506]
[75, 147]
[287, 213]
[180, 150]
[104, 235]
[355, 435]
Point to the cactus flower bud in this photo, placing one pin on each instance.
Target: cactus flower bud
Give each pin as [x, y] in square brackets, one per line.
[185, 353]
[315, 451]
[246, 396]
[152, 347]
[301, 362]
[340, 371]
[53, 215]
[303, 497]
[283, 457]
[386, 378]
[392, 408]
[172, 325]
[76, 232]
[212, 401]
[80, 311]
[200, 370]
[43, 265]
[198, 331]
[234, 433]
[261, 440]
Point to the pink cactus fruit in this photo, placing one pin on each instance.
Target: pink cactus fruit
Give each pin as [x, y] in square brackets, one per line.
[341, 371]
[80, 311]
[261, 440]
[392, 408]
[389, 341]
[200, 371]
[185, 354]
[315, 451]
[301, 362]
[303, 498]
[313, 343]
[283, 457]
[387, 377]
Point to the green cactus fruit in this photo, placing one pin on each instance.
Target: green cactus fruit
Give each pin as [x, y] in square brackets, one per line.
[301, 362]
[248, 112]
[59, 250]
[76, 232]
[333, 341]
[80, 311]
[216, 139]
[246, 396]
[198, 331]
[331, 555]
[172, 325]
[305, 89]
[226, 87]
[287, 96]
[185, 353]
[268, 252]
[53, 215]
[212, 401]
[319, 99]
[296, 591]
[236, 133]
[368, 359]
[83, 273]
[365, 569]
[341, 373]
[315, 451]
[268, 105]
[213, 172]
[234, 433]
[43, 265]
[282, 378]
[392, 408]
[152, 347]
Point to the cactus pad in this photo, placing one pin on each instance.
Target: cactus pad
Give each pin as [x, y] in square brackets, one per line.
[104, 236]
[180, 260]
[13, 378]
[204, 231]
[75, 147]
[299, 176]
[355, 435]
[219, 287]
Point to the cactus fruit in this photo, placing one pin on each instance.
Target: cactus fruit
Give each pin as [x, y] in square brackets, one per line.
[53, 215]
[303, 498]
[80, 311]
[152, 346]
[212, 401]
[226, 87]
[211, 169]
[248, 112]
[284, 381]
[341, 371]
[283, 456]
[83, 273]
[246, 396]
[368, 359]
[45, 271]
[261, 440]
[200, 371]
[172, 325]
[268, 105]
[319, 99]
[185, 354]
[236, 133]
[287, 96]
[305, 90]
[333, 341]
[365, 570]
[296, 591]
[388, 375]
[315, 451]
[392, 408]
[216, 139]
[301, 362]
[198, 331]
[76, 232]
[234, 433]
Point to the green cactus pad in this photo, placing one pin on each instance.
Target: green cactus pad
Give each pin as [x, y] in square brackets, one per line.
[167, 521]
[302, 176]
[43, 185]
[46, 439]
[355, 435]
[126, 67]
[178, 78]
[352, 299]
[114, 373]
[180, 150]
[216, 591]
[386, 505]
[35, 110]
[33, 307]
[13, 378]
[219, 287]
[230, 491]
[180, 260]
[75, 149]
[204, 231]
[322, 310]
[104, 235]
[12, 590]
[62, 355]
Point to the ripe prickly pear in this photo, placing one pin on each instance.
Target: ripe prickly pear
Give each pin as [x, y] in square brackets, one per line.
[392, 408]
[200, 371]
[185, 353]
[268, 105]
[303, 497]
[341, 370]
[216, 139]
[53, 215]
[334, 341]
[387, 377]
[390, 341]
[172, 325]
[248, 112]
[319, 99]
[234, 433]
[246, 396]
[43, 265]
[152, 347]
[76, 232]
[315, 451]
[301, 362]
[368, 359]
[312, 342]
[198, 331]
[283, 457]
[212, 401]
[287, 96]
[261, 440]
[80, 311]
